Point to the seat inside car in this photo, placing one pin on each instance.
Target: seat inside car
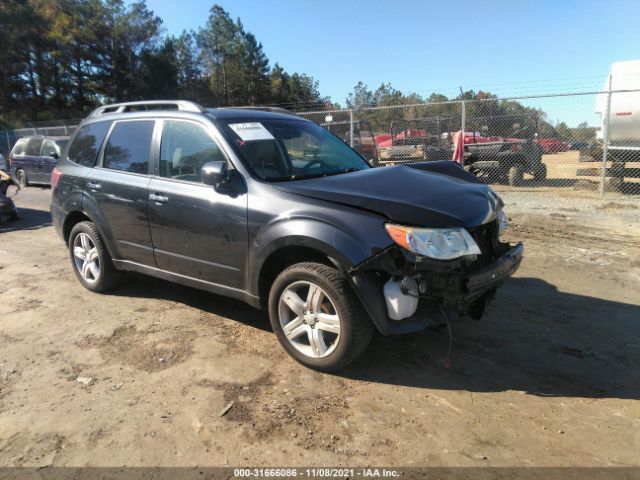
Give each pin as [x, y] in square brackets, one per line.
[265, 158]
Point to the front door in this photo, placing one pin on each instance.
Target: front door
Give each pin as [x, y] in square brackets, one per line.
[49, 155]
[117, 187]
[197, 231]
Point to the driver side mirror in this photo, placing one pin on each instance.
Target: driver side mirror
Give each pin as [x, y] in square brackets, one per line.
[214, 173]
[54, 155]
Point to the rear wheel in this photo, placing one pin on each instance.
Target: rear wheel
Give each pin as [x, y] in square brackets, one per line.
[21, 176]
[90, 259]
[317, 317]
[515, 175]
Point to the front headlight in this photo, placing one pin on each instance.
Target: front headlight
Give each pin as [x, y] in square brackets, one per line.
[503, 221]
[437, 243]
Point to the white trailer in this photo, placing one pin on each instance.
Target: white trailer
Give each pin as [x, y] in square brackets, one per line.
[624, 109]
[618, 147]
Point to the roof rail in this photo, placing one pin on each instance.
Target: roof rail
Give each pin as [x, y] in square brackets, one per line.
[266, 109]
[181, 105]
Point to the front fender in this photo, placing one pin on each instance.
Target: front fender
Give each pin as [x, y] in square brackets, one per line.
[339, 245]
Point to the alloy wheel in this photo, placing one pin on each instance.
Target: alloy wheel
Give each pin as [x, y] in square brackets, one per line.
[86, 258]
[309, 319]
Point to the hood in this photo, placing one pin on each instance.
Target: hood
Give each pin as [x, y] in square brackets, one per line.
[433, 194]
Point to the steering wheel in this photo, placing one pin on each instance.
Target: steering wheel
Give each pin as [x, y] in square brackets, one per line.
[311, 163]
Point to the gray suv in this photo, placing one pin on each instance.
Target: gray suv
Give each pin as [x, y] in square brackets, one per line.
[274, 210]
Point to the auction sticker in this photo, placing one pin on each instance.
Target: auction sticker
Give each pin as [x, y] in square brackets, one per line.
[251, 131]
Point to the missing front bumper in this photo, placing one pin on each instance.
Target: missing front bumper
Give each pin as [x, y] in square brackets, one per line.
[454, 292]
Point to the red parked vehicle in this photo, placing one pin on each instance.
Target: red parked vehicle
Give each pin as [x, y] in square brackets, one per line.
[552, 145]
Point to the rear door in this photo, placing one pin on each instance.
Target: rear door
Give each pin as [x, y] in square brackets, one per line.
[31, 158]
[197, 231]
[117, 189]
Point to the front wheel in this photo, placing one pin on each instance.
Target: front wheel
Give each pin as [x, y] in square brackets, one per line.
[21, 176]
[90, 259]
[317, 317]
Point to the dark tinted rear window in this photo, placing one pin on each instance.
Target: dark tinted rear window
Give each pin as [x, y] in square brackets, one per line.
[87, 142]
[128, 147]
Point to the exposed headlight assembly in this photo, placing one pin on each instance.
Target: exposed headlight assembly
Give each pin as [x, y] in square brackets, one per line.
[503, 221]
[436, 243]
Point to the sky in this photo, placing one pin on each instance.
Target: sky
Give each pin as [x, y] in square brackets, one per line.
[510, 48]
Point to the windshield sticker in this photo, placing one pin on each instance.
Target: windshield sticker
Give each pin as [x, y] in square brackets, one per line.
[251, 131]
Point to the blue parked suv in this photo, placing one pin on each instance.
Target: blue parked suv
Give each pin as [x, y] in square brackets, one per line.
[33, 158]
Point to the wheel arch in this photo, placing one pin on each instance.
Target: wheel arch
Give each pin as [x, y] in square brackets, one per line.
[71, 220]
[76, 216]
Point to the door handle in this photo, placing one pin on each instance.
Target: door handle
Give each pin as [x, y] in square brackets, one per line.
[158, 198]
[93, 185]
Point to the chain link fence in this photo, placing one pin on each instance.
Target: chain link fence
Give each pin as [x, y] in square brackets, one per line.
[567, 144]
[53, 128]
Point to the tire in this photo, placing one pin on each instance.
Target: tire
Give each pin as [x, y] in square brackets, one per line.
[515, 175]
[540, 172]
[102, 276]
[337, 303]
[22, 179]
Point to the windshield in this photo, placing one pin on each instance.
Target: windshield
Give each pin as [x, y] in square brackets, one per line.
[282, 150]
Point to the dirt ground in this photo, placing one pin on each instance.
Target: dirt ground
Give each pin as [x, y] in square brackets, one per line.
[550, 377]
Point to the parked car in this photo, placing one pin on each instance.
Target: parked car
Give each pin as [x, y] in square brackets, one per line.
[363, 141]
[579, 146]
[552, 145]
[4, 165]
[32, 158]
[505, 161]
[414, 140]
[274, 210]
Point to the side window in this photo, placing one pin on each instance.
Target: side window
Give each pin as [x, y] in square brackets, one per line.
[49, 148]
[184, 149]
[128, 147]
[87, 142]
[33, 147]
[19, 147]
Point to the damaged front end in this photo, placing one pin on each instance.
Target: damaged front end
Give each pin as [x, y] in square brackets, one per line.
[404, 291]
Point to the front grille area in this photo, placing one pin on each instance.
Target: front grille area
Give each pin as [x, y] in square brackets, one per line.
[486, 236]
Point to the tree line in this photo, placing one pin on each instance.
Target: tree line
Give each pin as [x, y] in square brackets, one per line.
[61, 58]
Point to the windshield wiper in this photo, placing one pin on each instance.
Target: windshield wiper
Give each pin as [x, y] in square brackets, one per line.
[348, 170]
[308, 176]
[285, 178]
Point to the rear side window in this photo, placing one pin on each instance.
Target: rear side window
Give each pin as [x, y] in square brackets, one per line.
[18, 148]
[33, 147]
[128, 147]
[87, 142]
